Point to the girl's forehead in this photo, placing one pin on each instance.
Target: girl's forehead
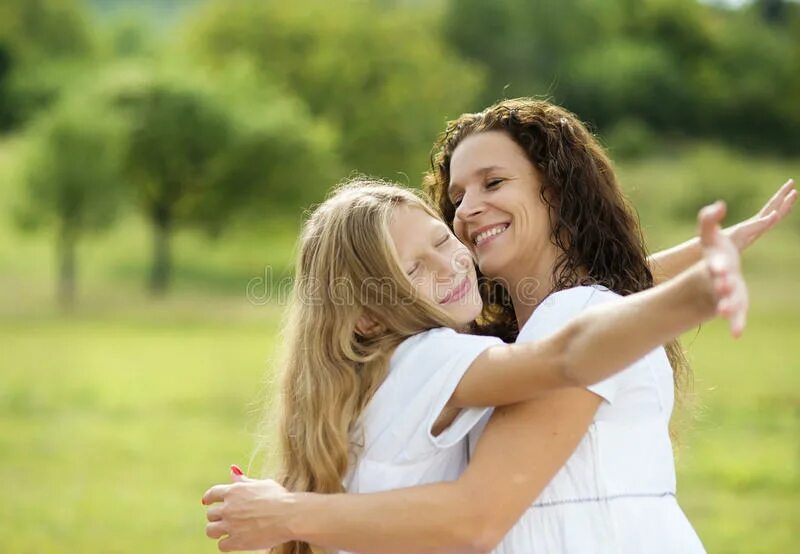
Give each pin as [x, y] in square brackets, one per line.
[411, 227]
[413, 214]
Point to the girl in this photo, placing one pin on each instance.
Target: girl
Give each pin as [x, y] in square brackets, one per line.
[515, 169]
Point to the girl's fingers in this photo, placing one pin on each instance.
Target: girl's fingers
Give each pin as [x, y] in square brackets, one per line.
[734, 308]
[723, 288]
[718, 264]
[708, 220]
[738, 322]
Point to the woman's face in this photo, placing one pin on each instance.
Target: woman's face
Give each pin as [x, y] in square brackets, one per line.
[438, 265]
[499, 214]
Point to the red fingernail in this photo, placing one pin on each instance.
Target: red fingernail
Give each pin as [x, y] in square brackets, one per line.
[236, 470]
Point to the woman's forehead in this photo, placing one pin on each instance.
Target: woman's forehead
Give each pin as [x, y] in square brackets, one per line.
[482, 153]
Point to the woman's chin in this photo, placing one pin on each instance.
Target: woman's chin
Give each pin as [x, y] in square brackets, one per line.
[492, 267]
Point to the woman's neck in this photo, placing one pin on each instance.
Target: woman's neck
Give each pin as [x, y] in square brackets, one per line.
[532, 285]
[528, 294]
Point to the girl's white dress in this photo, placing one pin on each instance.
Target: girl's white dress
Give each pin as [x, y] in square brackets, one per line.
[615, 494]
[398, 448]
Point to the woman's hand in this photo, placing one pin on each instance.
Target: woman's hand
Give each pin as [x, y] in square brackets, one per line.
[248, 514]
[721, 254]
[748, 231]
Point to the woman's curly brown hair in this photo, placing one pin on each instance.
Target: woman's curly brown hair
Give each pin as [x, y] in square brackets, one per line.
[592, 223]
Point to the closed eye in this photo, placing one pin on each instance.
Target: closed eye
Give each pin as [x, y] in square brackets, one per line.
[493, 183]
[410, 272]
[443, 240]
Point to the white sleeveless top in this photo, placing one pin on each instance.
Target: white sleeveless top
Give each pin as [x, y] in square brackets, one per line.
[616, 493]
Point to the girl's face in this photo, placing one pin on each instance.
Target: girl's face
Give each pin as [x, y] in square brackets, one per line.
[499, 214]
[438, 265]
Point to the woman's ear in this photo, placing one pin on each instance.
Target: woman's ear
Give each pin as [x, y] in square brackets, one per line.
[367, 327]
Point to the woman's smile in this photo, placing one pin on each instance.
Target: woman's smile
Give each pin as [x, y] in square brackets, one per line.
[486, 234]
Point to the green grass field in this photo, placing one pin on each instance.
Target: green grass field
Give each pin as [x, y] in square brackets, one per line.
[114, 420]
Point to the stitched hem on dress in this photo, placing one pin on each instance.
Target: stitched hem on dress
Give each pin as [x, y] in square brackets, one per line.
[603, 498]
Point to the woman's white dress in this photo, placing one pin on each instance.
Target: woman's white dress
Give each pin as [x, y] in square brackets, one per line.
[615, 494]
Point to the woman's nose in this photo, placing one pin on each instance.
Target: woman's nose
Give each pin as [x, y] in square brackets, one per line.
[469, 207]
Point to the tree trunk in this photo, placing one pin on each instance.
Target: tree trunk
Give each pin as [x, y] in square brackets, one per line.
[65, 250]
[162, 229]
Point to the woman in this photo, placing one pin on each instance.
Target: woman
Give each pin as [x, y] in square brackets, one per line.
[503, 176]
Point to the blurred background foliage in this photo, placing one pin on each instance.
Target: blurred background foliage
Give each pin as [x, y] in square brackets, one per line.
[156, 158]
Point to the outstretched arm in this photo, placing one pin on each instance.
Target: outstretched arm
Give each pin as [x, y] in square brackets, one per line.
[668, 263]
[599, 342]
[608, 338]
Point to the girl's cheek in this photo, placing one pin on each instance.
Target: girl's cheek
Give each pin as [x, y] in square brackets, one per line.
[422, 286]
[458, 231]
[460, 258]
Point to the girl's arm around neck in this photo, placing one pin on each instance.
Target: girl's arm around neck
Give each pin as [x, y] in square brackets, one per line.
[599, 342]
[607, 338]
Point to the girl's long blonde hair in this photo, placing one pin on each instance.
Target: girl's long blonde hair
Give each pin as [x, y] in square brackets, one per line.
[346, 267]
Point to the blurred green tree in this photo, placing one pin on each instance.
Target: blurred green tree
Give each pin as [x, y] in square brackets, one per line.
[34, 36]
[759, 69]
[773, 11]
[198, 154]
[678, 67]
[129, 35]
[73, 181]
[381, 75]
[526, 46]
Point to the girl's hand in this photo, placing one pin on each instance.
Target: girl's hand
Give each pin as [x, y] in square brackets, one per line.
[248, 514]
[748, 231]
[721, 254]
